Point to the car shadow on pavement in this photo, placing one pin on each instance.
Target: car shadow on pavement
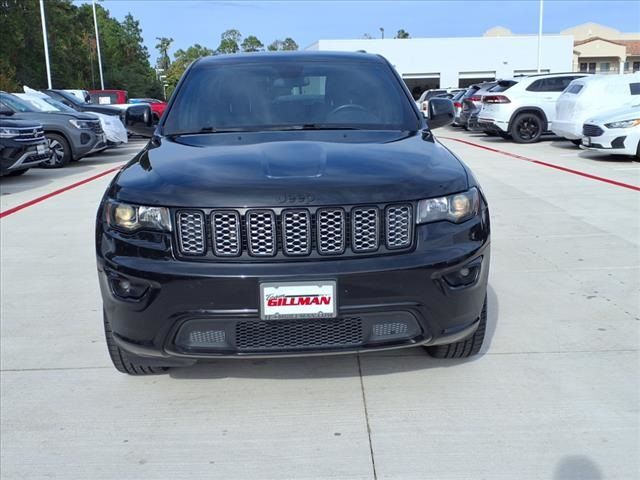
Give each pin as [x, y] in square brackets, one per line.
[336, 366]
[605, 158]
[577, 467]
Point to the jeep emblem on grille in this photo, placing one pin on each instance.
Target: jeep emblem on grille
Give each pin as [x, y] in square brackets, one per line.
[296, 198]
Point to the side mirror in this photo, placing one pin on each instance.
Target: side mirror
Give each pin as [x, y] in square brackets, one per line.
[4, 110]
[440, 113]
[138, 120]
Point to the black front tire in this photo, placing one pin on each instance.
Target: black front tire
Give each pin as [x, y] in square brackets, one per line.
[60, 151]
[527, 128]
[577, 143]
[126, 362]
[464, 348]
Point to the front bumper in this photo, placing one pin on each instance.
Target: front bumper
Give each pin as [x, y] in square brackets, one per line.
[405, 295]
[614, 141]
[16, 155]
[570, 130]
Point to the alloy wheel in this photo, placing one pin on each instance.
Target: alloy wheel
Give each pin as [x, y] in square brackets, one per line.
[57, 153]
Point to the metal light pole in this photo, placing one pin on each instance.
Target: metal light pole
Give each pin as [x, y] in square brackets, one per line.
[540, 34]
[382, 32]
[95, 24]
[46, 43]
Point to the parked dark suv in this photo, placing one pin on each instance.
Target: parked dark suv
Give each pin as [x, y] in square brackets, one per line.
[22, 145]
[292, 204]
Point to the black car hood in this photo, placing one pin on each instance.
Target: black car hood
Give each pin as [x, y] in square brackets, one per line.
[271, 169]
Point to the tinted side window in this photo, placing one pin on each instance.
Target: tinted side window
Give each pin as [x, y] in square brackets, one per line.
[575, 89]
[634, 88]
[537, 86]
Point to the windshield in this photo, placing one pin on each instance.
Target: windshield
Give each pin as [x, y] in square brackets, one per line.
[281, 95]
[15, 103]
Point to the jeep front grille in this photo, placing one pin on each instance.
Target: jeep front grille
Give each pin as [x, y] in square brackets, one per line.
[300, 232]
[399, 226]
[191, 233]
[225, 226]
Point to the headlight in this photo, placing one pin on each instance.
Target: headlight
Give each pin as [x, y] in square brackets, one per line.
[453, 208]
[127, 217]
[83, 124]
[623, 123]
[8, 132]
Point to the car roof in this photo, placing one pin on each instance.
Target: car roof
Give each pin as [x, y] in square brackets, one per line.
[295, 56]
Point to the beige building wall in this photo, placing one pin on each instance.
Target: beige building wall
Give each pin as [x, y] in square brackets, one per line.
[592, 29]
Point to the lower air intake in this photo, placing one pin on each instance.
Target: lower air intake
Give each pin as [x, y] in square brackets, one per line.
[298, 334]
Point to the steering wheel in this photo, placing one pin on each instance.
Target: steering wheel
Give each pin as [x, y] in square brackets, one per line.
[347, 107]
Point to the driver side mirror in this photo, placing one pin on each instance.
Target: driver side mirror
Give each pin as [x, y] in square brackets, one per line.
[4, 110]
[138, 120]
[440, 112]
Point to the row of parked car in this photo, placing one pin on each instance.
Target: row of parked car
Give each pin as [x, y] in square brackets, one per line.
[51, 128]
[596, 112]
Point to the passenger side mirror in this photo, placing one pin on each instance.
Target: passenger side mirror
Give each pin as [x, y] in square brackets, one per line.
[138, 120]
[440, 113]
[4, 110]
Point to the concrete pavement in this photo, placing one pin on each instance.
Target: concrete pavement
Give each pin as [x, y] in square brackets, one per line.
[554, 394]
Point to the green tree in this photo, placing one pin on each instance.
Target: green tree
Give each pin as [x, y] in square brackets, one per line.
[402, 34]
[163, 48]
[72, 48]
[252, 44]
[289, 44]
[229, 41]
[182, 59]
[286, 44]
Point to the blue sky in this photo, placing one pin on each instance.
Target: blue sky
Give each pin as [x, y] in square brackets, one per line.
[197, 21]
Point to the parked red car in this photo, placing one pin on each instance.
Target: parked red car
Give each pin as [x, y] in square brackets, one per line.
[157, 106]
[108, 97]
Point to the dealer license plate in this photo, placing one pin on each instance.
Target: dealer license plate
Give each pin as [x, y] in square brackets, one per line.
[586, 141]
[41, 149]
[286, 300]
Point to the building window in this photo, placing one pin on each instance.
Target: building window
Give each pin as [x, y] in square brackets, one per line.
[588, 67]
[583, 67]
[626, 66]
[636, 66]
[605, 67]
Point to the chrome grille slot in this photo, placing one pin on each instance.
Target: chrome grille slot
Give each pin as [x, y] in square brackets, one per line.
[330, 223]
[191, 232]
[296, 232]
[365, 229]
[399, 226]
[225, 228]
[261, 233]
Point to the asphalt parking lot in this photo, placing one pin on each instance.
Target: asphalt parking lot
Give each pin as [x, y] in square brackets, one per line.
[554, 395]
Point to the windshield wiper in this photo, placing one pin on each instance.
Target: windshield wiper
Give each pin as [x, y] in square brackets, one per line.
[210, 130]
[314, 126]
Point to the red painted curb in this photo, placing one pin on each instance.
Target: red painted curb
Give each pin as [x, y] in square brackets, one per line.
[22, 206]
[545, 164]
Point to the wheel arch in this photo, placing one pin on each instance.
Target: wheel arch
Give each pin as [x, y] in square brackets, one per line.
[536, 110]
[63, 135]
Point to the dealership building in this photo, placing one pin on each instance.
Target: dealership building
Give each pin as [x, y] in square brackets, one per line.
[460, 61]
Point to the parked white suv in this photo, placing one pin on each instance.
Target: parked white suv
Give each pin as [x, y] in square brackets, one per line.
[527, 109]
[592, 96]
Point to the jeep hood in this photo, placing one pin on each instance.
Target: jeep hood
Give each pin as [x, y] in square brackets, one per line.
[274, 169]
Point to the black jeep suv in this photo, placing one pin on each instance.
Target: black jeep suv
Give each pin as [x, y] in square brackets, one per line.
[292, 204]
